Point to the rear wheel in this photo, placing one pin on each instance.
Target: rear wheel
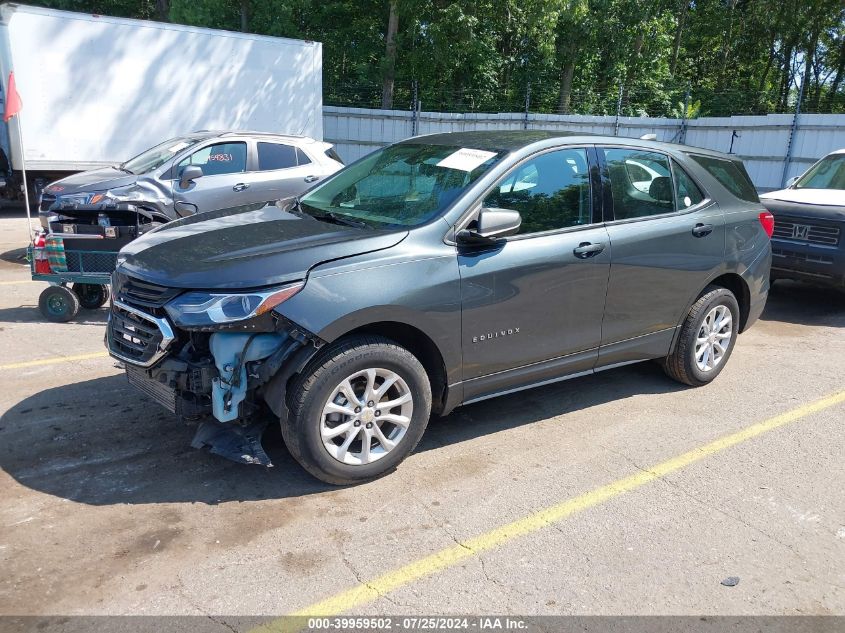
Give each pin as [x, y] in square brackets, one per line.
[706, 339]
[91, 296]
[357, 410]
[58, 304]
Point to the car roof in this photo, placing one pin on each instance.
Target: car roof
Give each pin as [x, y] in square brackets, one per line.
[253, 134]
[512, 140]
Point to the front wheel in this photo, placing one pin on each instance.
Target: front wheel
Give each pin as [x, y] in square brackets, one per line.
[706, 340]
[357, 410]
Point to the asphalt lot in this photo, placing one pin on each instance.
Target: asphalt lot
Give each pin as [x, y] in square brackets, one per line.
[105, 509]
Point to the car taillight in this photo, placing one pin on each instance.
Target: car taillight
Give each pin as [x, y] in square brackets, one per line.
[768, 222]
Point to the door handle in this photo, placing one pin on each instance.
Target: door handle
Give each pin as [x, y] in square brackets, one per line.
[240, 186]
[700, 230]
[311, 178]
[587, 249]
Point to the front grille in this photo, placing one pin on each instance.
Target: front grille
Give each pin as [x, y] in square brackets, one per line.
[141, 293]
[90, 261]
[137, 337]
[807, 232]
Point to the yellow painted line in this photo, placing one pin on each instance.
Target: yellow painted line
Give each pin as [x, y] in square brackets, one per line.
[392, 580]
[53, 361]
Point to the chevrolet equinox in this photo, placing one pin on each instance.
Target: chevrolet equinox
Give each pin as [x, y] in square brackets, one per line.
[437, 272]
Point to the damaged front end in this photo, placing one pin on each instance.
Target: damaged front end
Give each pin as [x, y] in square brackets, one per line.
[220, 360]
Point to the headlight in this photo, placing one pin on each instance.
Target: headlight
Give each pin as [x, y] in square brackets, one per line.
[203, 309]
[81, 198]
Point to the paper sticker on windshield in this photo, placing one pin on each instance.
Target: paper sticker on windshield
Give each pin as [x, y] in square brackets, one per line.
[466, 159]
[178, 147]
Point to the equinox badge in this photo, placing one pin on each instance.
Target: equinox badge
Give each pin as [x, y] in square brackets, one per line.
[497, 334]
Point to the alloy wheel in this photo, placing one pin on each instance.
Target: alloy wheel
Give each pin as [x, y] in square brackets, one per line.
[714, 338]
[366, 416]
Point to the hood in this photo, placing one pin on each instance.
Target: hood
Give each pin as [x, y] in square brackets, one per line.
[825, 204]
[91, 181]
[827, 197]
[244, 247]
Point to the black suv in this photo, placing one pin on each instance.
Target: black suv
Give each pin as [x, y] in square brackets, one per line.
[439, 271]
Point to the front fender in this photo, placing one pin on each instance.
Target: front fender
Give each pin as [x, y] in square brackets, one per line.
[423, 293]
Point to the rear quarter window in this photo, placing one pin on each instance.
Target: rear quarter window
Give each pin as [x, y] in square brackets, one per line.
[731, 174]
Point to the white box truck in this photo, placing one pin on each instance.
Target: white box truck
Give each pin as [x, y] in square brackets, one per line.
[97, 90]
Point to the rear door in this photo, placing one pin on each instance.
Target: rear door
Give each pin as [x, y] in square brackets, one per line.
[224, 180]
[667, 238]
[283, 170]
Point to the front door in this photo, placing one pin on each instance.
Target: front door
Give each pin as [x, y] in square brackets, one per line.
[667, 240]
[534, 301]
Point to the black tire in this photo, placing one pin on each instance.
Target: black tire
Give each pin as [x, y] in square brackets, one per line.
[681, 364]
[91, 296]
[312, 388]
[58, 304]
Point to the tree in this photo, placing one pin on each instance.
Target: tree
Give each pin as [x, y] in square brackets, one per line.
[389, 70]
[737, 56]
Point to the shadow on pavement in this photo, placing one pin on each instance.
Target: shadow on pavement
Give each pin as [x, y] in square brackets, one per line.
[100, 442]
[15, 256]
[15, 210]
[804, 304]
[31, 314]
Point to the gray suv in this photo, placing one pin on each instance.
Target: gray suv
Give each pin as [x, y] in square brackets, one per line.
[436, 272]
[197, 172]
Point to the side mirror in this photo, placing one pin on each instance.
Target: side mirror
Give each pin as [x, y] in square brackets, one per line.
[491, 225]
[792, 181]
[189, 174]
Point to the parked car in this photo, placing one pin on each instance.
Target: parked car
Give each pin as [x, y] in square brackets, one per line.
[198, 172]
[807, 244]
[435, 272]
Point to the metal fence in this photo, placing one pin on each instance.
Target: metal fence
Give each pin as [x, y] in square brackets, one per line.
[774, 147]
[670, 99]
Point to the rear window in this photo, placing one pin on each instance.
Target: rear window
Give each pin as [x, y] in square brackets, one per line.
[331, 153]
[731, 174]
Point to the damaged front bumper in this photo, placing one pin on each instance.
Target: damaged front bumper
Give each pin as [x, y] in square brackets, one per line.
[225, 381]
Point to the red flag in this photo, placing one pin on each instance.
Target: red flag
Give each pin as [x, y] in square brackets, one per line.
[13, 100]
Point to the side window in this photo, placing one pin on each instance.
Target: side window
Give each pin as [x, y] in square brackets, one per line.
[275, 156]
[302, 157]
[551, 191]
[221, 158]
[687, 193]
[731, 174]
[641, 183]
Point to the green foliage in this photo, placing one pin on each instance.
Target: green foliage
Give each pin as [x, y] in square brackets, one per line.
[735, 56]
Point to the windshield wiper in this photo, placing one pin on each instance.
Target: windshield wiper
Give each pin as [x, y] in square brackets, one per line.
[329, 216]
[123, 169]
[340, 218]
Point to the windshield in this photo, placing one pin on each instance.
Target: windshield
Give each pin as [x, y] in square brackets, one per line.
[402, 185]
[828, 173]
[158, 155]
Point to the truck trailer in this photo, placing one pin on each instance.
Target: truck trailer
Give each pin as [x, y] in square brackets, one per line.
[97, 90]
